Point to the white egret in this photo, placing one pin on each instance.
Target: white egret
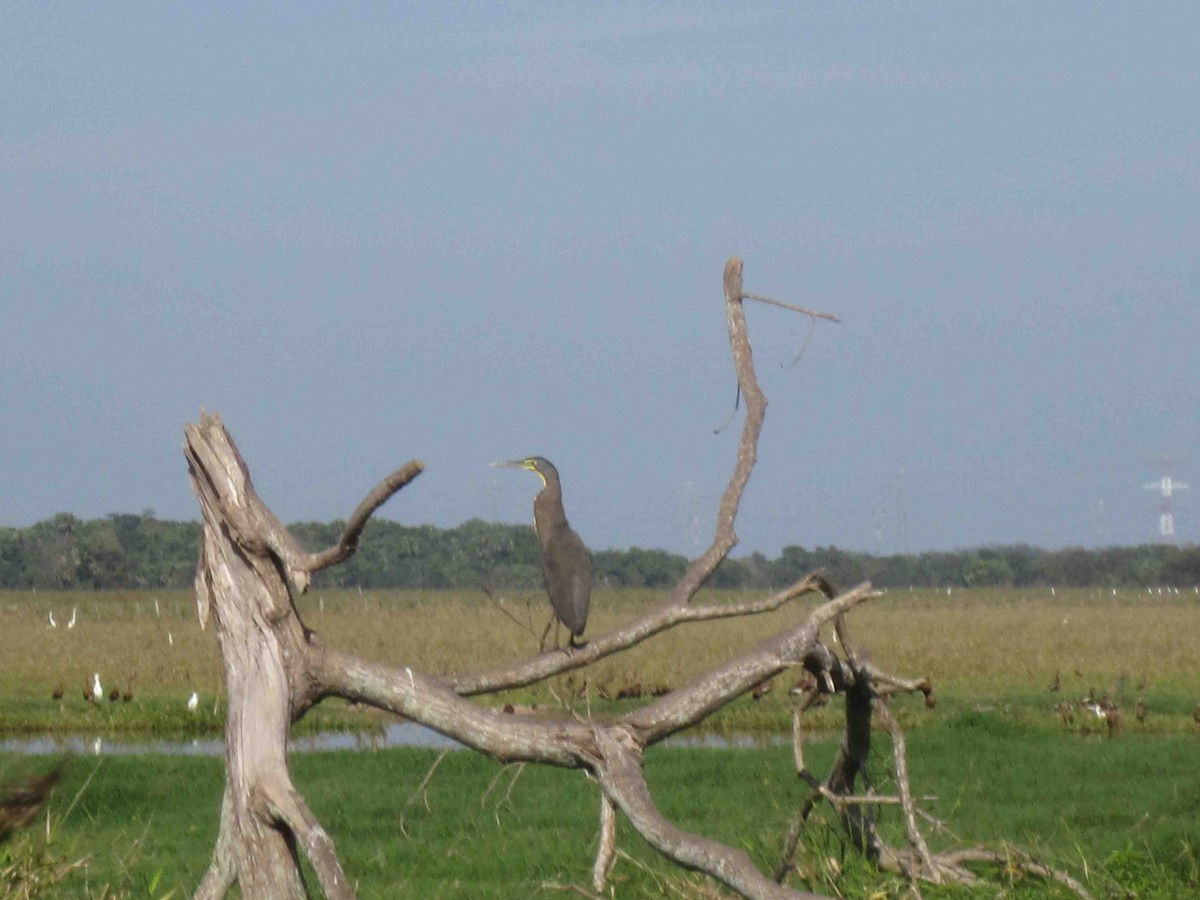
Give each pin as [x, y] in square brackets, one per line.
[53, 624]
[193, 701]
[74, 610]
[97, 690]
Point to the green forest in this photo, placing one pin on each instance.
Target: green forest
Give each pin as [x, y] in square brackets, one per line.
[126, 550]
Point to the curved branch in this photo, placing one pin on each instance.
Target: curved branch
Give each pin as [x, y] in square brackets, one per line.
[955, 858]
[657, 620]
[559, 740]
[725, 539]
[348, 542]
[900, 755]
[606, 852]
[706, 694]
[622, 782]
[285, 804]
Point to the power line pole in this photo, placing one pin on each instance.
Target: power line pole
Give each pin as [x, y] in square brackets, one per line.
[1166, 486]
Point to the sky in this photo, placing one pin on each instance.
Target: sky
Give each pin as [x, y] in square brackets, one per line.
[459, 233]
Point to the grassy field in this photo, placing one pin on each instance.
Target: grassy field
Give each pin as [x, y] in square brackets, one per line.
[996, 649]
[1119, 814]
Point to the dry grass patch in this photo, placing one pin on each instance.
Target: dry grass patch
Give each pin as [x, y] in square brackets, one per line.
[983, 646]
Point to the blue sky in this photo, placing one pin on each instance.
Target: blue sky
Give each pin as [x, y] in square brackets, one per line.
[464, 233]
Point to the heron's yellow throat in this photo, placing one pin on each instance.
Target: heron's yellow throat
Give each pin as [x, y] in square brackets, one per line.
[534, 469]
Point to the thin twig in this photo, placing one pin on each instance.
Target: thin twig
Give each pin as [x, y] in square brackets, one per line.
[737, 402]
[812, 329]
[498, 603]
[829, 317]
[420, 791]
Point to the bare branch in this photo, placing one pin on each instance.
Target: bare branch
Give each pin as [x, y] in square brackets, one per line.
[900, 755]
[623, 783]
[708, 693]
[1016, 859]
[829, 317]
[657, 620]
[815, 581]
[286, 804]
[419, 791]
[498, 603]
[606, 852]
[561, 741]
[348, 542]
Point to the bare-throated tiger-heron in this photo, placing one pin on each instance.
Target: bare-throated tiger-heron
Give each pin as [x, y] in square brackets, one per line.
[566, 562]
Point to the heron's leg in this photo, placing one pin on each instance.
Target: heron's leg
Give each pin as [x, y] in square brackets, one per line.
[542, 641]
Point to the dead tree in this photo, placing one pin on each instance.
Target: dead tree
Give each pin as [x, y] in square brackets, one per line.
[251, 571]
[249, 575]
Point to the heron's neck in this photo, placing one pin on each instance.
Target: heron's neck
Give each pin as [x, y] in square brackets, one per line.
[548, 510]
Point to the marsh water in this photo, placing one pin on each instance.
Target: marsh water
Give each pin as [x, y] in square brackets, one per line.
[397, 734]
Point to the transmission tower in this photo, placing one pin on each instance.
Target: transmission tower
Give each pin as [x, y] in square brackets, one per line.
[1166, 486]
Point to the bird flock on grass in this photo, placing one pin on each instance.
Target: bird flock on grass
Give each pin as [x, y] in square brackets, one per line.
[1103, 710]
[93, 691]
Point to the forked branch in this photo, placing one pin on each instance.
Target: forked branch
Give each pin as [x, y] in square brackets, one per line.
[348, 542]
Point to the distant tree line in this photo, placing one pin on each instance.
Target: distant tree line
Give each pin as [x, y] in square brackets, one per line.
[140, 551]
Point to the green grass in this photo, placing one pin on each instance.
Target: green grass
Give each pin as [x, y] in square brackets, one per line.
[1119, 814]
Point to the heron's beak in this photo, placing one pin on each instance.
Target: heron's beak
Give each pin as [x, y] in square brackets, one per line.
[510, 464]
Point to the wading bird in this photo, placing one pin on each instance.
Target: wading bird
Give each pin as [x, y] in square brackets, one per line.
[58, 691]
[193, 701]
[1067, 713]
[74, 610]
[53, 624]
[566, 563]
[97, 689]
